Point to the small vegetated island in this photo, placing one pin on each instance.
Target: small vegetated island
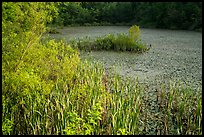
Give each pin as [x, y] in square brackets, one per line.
[47, 89]
[121, 42]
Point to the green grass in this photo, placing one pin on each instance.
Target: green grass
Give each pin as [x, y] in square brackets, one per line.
[182, 110]
[94, 102]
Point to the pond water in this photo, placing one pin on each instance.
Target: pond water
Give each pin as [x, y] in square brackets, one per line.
[175, 54]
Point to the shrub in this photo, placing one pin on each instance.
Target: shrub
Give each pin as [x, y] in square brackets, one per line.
[105, 43]
[25, 90]
[124, 43]
[120, 42]
[134, 32]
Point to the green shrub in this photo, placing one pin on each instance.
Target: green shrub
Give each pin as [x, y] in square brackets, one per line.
[134, 32]
[105, 43]
[120, 42]
[35, 79]
[124, 43]
[86, 126]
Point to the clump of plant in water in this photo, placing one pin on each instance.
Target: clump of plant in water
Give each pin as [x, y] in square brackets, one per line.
[120, 42]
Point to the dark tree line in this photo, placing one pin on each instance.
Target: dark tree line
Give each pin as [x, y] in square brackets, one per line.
[170, 15]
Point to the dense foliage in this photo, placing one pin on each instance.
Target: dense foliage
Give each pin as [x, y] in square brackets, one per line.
[47, 89]
[171, 15]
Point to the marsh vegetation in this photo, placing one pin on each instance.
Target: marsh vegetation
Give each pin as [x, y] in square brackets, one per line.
[65, 84]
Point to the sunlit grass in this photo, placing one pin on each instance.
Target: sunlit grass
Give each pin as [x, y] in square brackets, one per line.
[97, 103]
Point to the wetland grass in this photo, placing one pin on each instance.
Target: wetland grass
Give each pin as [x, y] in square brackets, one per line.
[181, 107]
[93, 102]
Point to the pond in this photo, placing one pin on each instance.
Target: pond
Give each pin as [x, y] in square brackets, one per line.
[174, 55]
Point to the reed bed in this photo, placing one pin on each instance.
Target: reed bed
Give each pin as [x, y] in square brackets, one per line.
[100, 103]
[181, 109]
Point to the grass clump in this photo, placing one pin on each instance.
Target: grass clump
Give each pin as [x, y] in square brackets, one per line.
[181, 109]
[120, 42]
